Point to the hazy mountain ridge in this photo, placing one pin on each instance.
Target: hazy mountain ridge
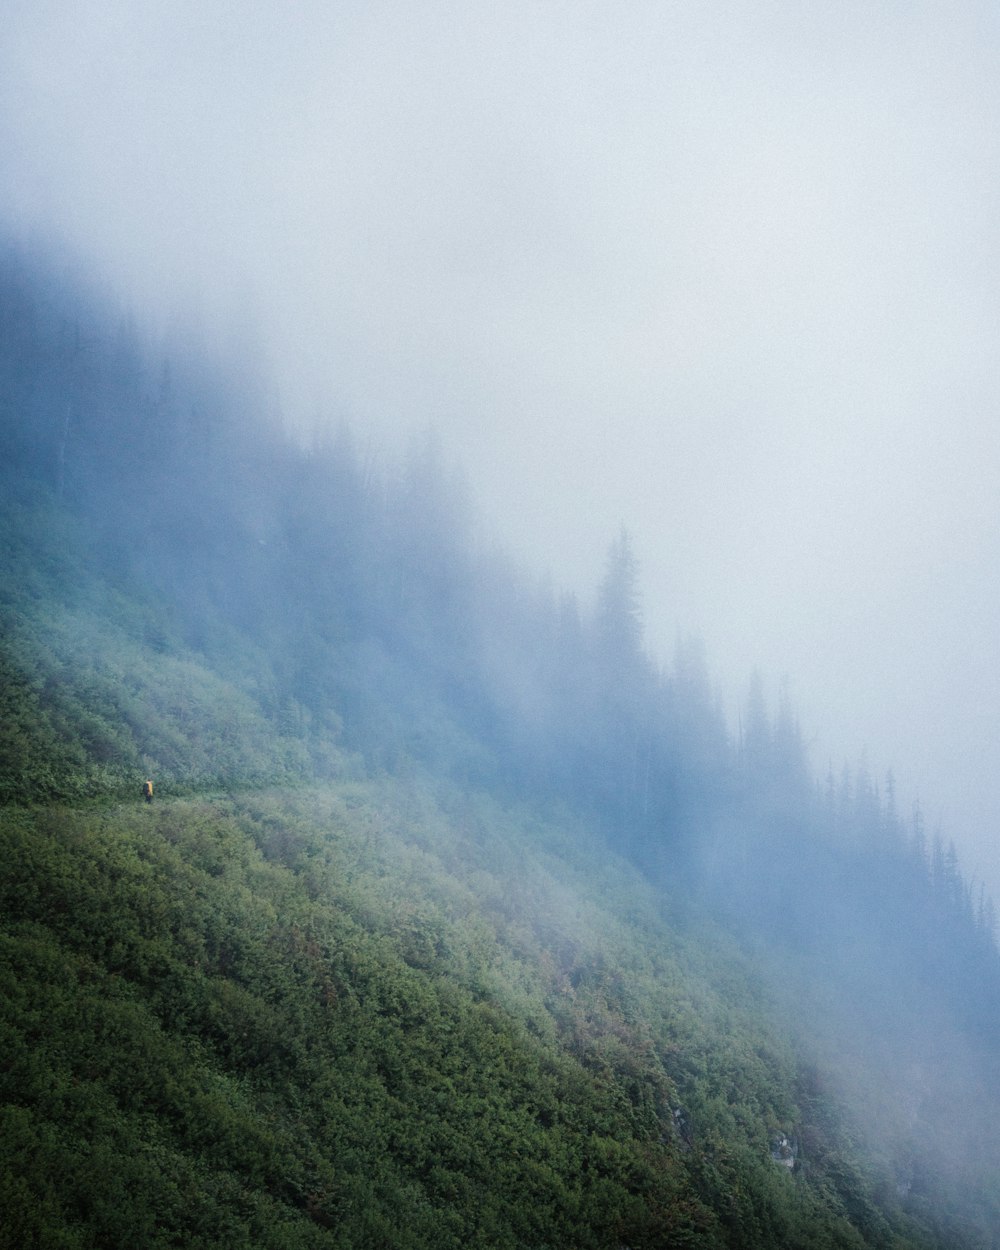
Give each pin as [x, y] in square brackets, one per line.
[188, 595]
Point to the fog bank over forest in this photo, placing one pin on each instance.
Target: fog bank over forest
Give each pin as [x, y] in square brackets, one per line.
[726, 276]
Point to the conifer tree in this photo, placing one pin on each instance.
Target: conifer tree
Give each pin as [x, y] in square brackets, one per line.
[619, 614]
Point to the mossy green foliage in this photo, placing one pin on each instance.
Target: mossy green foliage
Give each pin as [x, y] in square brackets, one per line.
[368, 1016]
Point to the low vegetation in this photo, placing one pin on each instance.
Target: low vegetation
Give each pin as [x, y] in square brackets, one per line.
[376, 1015]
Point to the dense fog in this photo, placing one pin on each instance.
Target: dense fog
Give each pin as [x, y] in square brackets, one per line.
[724, 275]
[190, 591]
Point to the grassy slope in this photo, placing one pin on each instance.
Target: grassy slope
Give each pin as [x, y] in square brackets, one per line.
[375, 1013]
[372, 1015]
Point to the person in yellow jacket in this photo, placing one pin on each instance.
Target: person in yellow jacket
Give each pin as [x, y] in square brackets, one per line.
[147, 791]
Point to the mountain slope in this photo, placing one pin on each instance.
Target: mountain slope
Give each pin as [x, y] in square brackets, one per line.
[387, 1017]
[456, 920]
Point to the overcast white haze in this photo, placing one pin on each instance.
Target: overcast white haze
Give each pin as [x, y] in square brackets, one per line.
[726, 273]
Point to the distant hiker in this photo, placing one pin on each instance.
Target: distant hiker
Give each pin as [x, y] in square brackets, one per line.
[147, 791]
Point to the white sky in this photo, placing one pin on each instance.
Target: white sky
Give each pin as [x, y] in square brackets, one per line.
[724, 272]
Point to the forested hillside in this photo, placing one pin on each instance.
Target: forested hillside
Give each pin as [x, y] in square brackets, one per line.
[458, 918]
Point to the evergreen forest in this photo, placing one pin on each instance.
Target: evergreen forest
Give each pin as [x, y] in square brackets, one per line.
[457, 918]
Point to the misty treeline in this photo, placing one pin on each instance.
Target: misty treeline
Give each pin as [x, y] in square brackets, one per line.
[355, 599]
[188, 592]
